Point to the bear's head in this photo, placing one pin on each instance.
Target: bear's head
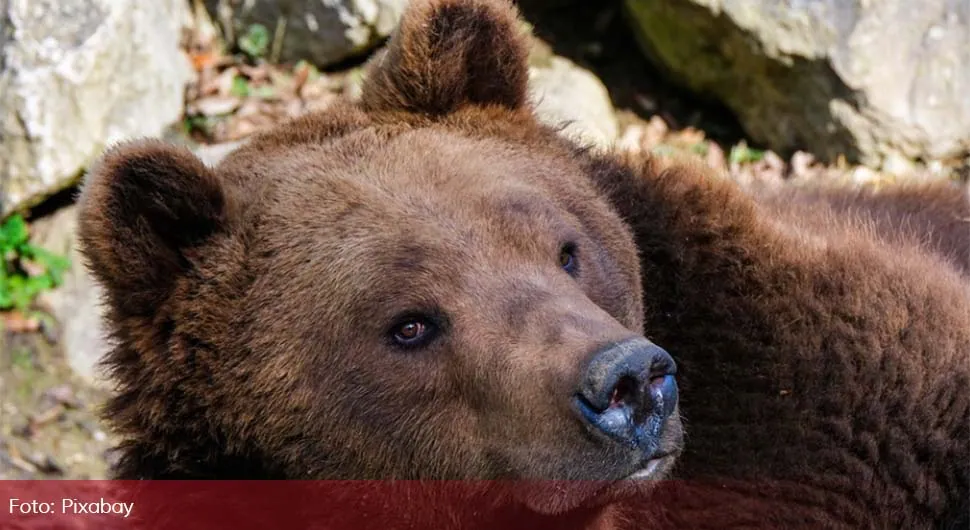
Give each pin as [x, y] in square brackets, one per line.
[426, 284]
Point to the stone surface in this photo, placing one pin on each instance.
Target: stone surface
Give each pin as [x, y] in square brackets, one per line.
[870, 79]
[76, 76]
[320, 31]
[76, 304]
[569, 96]
[211, 155]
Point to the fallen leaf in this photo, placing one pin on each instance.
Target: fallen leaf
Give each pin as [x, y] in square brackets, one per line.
[256, 73]
[655, 132]
[38, 421]
[300, 75]
[216, 105]
[632, 138]
[203, 59]
[715, 156]
[801, 164]
[690, 136]
[222, 84]
[16, 322]
[32, 268]
[64, 395]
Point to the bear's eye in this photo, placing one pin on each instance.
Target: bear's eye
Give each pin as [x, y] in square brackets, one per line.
[413, 332]
[567, 258]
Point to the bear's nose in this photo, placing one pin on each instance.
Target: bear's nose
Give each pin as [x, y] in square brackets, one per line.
[628, 390]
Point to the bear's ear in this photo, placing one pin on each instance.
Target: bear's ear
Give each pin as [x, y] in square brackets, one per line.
[142, 205]
[448, 53]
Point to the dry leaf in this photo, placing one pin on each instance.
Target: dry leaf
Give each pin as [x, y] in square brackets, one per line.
[256, 73]
[203, 59]
[801, 164]
[216, 105]
[32, 268]
[300, 76]
[715, 156]
[16, 322]
[632, 138]
[690, 137]
[655, 133]
[222, 83]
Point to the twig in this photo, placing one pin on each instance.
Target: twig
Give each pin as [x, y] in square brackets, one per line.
[276, 49]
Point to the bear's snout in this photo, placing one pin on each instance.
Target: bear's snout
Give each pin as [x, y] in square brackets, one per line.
[628, 391]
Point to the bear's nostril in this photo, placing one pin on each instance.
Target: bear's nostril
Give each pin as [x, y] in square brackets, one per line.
[624, 392]
[627, 392]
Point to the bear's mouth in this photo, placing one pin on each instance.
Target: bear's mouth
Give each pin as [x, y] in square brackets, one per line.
[652, 467]
[564, 497]
[652, 470]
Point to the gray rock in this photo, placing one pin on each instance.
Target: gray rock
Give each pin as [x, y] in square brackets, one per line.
[569, 96]
[320, 31]
[870, 79]
[75, 304]
[212, 154]
[76, 76]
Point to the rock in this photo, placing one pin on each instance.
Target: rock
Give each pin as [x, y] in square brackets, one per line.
[322, 32]
[867, 79]
[76, 76]
[569, 96]
[76, 304]
[211, 155]
[896, 164]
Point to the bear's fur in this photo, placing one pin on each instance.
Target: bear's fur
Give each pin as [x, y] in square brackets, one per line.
[932, 214]
[822, 338]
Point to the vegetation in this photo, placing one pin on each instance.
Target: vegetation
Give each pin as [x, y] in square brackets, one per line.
[25, 269]
[255, 42]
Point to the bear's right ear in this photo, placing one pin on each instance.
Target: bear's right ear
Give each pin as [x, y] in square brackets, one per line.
[448, 53]
[142, 205]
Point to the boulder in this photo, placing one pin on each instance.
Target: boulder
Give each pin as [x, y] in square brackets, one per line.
[77, 76]
[76, 303]
[875, 81]
[321, 32]
[569, 96]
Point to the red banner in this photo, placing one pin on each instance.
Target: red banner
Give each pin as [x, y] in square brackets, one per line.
[465, 505]
[336, 505]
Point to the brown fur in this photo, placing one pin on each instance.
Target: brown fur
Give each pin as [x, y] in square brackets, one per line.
[933, 214]
[823, 361]
[824, 371]
[448, 54]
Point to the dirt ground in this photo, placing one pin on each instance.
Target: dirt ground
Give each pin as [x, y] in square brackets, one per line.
[49, 427]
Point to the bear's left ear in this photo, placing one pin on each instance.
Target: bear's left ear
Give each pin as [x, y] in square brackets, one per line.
[142, 206]
[449, 53]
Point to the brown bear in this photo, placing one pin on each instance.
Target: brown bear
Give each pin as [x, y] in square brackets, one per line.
[430, 284]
